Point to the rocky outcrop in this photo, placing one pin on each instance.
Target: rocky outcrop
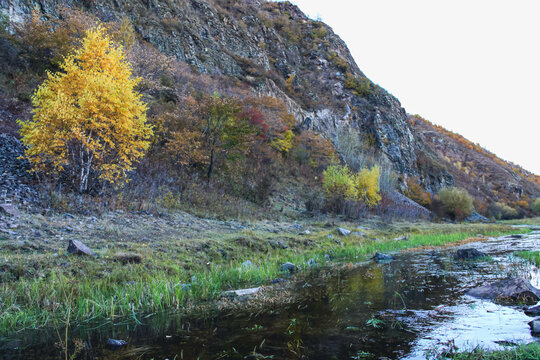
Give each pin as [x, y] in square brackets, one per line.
[15, 180]
[510, 290]
[275, 49]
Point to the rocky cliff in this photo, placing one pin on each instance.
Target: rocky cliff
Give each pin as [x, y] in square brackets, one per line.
[273, 48]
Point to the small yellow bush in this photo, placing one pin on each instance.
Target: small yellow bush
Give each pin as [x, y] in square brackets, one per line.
[367, 186]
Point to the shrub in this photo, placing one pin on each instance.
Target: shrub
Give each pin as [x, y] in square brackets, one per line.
[88, 120]
[535, 206]
[457, 202]
[501, 211]
[367, 186]
[343, 189]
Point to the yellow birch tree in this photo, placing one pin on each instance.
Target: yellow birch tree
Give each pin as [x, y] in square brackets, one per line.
[88, 120]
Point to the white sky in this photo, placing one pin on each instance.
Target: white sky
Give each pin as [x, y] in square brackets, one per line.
[472, 66]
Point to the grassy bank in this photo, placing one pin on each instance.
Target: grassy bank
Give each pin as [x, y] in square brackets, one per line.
[524, 352]
[532, 256]
[148, 264]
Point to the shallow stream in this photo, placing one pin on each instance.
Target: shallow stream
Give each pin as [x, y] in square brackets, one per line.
[411, 308]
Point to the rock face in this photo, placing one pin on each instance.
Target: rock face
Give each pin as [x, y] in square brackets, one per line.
[276, 50]
[15, 180]
[510, 290]
[9, 210]
[78, 248]
[468, 254]
[533, 311]
[535, 326]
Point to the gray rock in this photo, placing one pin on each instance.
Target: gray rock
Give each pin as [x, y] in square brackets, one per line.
[311, 263]
[113, 343]
[343, 232]
[535, 326]
[402, 238]
[9, 210]
[278, 281]
[476, 217]
[359, 234]
[78, 248]
[468, 254]
[305, 232]
[533, 311]
[288, 267]
[242, 292]
[511, 290]
[380, 257]
[247, 264]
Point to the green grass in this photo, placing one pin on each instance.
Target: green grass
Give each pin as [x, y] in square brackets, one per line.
[532, 256]
[524, 352]
[105, 289]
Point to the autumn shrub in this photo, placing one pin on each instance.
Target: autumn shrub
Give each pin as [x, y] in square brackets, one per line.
[345, 190]
[89, 123]
[457, 202]
[416, 192]
[535, 206]
[501, 211]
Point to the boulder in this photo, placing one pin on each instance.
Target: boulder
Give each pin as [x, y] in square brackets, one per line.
[113, 343]
[9, 210]
[511, 290]
[535, 326]
[380, 257]
[343, 232]
[476, 217]
[288, 267]
[533, 311]
[242, 292]
[468, 254]
[78, 248]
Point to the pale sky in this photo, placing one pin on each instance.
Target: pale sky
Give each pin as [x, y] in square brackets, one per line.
[472, 66]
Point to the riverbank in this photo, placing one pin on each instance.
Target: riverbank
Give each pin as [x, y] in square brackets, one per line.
[147, 264]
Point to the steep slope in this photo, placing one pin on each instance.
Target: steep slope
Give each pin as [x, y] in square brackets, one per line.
[275, 50]
[482, 173]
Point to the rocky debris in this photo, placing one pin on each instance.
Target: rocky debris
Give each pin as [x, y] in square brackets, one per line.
[241, 292]
[114, 344]
[9, 210]
[380, 257]
[468, 254]
[15, 180]
[343, 232]
[535, 326]
[476, 217]
[511, 290]
[78, 248]
[533, 311]
[288, 267]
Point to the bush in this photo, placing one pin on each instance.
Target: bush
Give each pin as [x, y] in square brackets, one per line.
[535, 206]
[501, 211]
[346, 190]
[457, 202]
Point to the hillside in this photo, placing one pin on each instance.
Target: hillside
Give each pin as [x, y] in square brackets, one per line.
[485, 176]
[247, 50]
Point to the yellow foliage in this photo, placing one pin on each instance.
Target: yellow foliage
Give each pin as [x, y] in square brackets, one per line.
[367, 186]
[363, 186]
[283, 143]
[87, 117]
